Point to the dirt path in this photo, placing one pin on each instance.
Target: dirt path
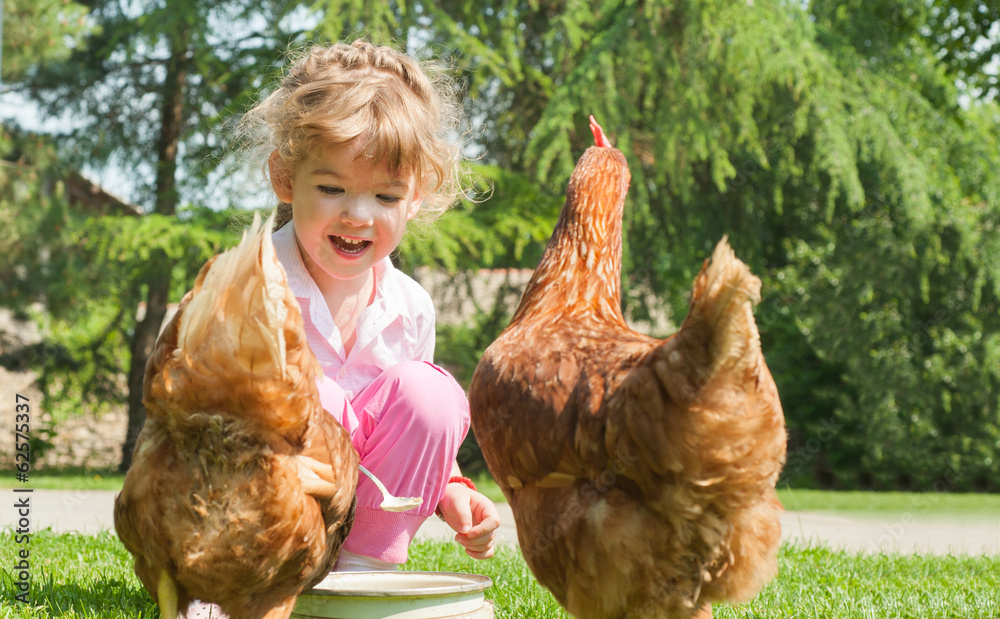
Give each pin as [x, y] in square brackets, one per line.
[897, 533]
[91, 511]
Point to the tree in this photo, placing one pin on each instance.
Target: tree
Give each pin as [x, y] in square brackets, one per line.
[36, 30]
[830, 143]
[44, 30]
[149, 85]
[965, 41]
[74, 267]
[847, 149]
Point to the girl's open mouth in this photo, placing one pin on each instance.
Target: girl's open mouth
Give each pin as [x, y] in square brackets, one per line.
[349, 247]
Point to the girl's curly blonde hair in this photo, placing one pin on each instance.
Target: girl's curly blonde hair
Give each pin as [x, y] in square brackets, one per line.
[406, 112]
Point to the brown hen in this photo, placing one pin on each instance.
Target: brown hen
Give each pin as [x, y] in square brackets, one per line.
[241, 490]
[641, 472]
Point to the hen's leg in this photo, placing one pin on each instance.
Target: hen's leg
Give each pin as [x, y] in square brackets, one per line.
[166, 596]
[705, 612]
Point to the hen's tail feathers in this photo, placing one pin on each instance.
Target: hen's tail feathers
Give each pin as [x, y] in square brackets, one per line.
[237, 343]
[239, 309]
[721, 312]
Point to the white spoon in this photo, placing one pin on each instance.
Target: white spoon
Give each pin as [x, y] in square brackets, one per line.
[391, 503]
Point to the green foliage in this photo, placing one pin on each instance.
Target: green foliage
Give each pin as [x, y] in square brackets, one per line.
[847, 149]
[346, 20]
[963, 31]
[149, 74]
[899, 293]
[20, 184]
[77, 276]
[829, 143]
[35, 30]
[505, 224]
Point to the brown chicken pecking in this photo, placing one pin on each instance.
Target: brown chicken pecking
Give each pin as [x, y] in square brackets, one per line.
[641, 472]
[241, 490]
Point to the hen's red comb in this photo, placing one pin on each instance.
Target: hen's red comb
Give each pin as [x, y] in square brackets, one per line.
[599, 138]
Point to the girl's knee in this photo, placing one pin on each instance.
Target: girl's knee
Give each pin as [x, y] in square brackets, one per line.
[430, 393]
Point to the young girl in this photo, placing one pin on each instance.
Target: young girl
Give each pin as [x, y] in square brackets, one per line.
[357, 142]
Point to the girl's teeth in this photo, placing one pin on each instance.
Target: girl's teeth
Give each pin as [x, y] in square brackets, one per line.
[350, 245]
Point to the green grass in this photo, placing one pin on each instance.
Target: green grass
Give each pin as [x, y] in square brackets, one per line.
[73, 575]
[515, 592]
[880, 503]
[77, 575]
[485, 484]
[818, 582]
[813, 582]
[67, 479]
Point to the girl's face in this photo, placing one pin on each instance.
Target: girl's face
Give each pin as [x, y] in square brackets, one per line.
[348, 214]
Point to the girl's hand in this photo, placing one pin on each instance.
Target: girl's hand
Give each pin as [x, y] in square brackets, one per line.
[473, 516]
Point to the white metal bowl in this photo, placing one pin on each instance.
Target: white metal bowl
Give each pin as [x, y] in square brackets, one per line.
[396, 595]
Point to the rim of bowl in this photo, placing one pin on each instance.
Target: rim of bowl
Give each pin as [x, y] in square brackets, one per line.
[474, 582]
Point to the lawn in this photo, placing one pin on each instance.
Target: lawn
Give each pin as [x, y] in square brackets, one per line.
[77, 575]
[881, 503]
[70, 478]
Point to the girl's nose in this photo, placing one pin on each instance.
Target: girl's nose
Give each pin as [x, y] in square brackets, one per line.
[358, 212]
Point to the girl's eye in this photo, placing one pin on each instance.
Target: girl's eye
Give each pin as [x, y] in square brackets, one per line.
[330, 190]
[389, 199]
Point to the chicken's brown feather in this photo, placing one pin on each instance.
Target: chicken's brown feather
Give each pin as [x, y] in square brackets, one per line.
[641, 472]
[214, 500]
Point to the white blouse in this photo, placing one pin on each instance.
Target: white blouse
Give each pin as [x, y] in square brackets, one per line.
[397, 326]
